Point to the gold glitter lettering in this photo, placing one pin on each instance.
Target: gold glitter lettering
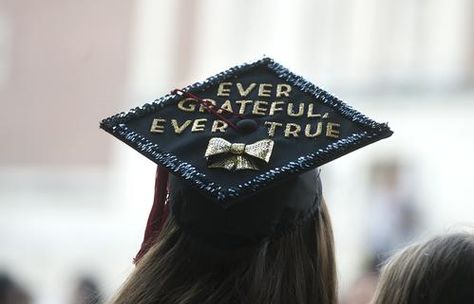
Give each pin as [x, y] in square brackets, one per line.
[157, 125]
[331, 130]
[272, 127]
[258, 109]
[307, 130]
[223, 89]
[219, 125]
[274, 107]
[187, 105]
[244, 92]
[243, 105]
[202, 108]
[291, 112]
[199, 125]
[283, 90]
[311, 111]
[179, 129]
[264, 90]
[227, 105]
[292, 129]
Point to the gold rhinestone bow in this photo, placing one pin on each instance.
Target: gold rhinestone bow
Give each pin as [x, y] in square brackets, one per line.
[237, 156]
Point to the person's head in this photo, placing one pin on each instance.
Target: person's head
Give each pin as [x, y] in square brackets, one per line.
[439, 271]
[11, 292]
[247, 220]
[87, 291]
[296, 266]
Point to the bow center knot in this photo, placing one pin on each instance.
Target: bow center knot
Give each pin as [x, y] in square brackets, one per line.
[237, 148]
[238, 156]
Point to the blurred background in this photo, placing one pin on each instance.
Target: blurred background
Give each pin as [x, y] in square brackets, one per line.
[74, 201]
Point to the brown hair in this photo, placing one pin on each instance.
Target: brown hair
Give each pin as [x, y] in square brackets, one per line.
[435, 272]
[298, 267]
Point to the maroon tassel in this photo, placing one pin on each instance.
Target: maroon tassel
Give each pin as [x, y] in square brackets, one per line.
[158, 214]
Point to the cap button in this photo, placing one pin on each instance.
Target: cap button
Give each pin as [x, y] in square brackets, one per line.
[247, 125]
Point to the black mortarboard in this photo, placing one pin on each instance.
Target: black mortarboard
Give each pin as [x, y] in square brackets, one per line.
[237, 146]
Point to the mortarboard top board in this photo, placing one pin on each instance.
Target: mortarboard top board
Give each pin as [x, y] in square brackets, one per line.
[267, 124]
[241, 148]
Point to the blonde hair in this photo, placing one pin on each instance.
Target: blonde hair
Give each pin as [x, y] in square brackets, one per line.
[440, 270]
[298, 267]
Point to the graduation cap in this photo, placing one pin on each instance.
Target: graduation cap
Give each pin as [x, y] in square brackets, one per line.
[241, 148]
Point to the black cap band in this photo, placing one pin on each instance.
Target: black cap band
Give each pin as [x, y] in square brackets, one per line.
[269, 213]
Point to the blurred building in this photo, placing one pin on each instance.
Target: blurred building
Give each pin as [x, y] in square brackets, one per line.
[74, 201]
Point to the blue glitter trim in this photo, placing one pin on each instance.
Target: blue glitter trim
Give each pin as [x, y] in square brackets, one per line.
[167, 160]
[326, 98]
[116, 126]
[194, 88]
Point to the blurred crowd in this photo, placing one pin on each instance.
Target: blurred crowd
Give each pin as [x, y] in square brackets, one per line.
[394, 223]
[11, 292]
